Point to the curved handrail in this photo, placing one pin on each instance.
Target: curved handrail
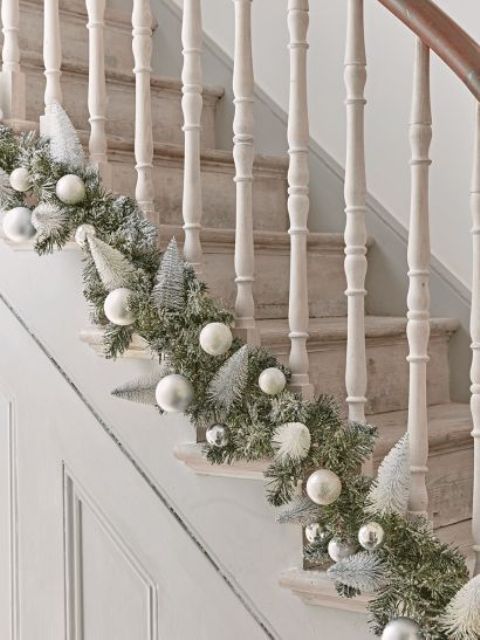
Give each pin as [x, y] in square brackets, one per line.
[443, 36]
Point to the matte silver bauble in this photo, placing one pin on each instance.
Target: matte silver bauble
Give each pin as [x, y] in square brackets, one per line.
[217, 435]
[314, 532]
[20, 180]
[401, 629]
[83, 232]
[272, 381]
[117, 307]
[17, 224]
[323, 487]
[371, 536]
[216, 338]
[340, 549]
[70, 189]
[174, 393]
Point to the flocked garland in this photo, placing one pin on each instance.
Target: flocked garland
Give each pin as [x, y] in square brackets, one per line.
[419, 586]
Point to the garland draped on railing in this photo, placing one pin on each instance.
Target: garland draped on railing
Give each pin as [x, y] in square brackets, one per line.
[238, 393]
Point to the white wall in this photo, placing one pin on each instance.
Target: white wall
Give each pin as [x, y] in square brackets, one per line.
[390, 54]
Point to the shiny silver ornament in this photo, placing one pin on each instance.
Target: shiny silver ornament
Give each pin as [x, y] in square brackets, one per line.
[20, 180]
[272, 381]
[217, 436]
[371, 536]
[216, 338]
[17, 224]
[323, 487]
[174, 393]
[70, 189]
[401, 629]
[83, 232]
[314, 532]
[340, 549]
[117, 307]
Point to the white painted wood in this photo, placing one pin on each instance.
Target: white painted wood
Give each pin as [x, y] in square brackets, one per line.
[142, 53]
[418, 298]
[243, 155]
[475, 336]
[97, 89]
[12, 79]
[52, 59]
[355, 208]
[298, 197]
[192, 104]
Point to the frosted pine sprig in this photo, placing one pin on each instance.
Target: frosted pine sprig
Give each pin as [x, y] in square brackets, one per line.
[65, 146]
[169, 289]
[113, 268]
[390, 492]
[363, 571]
[228, 384]
[461, 619]
[291, 441]
[300, 510]
[47, 218]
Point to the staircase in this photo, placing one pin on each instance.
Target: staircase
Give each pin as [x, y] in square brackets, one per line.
[450, 458]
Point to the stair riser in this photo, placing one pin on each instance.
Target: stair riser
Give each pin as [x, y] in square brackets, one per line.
[325, 276]
[166, 107]
[387, 371]
[218, 191]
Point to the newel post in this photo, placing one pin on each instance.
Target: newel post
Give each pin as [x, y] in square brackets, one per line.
[52, 60]
[12, 79]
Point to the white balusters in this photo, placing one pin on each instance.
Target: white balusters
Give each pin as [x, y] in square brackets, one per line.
[192, 103]
[243, 154]
[97, 90]
[475, 335]
[298, 196]
[418, 299]
[52, 59]
[142, 54]
[355, 208]
[12, 79]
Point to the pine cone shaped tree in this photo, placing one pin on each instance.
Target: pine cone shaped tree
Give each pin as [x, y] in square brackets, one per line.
[390, 492]
[65, 146]
[113, 268]
[228, 384]
[169, 290]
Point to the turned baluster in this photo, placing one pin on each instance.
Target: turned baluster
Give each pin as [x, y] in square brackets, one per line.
[97, 90]
[12, 79]
[475, 335]
[243, 155]
[142, 54]
[298, 196]
[192, 103]
[52, 59]
[418, 298]
[355, 209]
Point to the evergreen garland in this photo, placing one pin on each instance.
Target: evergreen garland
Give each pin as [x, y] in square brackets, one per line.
[171, 306]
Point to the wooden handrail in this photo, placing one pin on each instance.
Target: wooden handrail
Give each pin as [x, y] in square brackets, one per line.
[443, 36]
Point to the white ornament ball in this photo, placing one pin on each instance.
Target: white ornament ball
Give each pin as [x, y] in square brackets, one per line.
[70, 189]
[291, 441]
[217, 435]
[216, 338]
[401, 629]
[20, 179]
[174, 393]
[340, 549]
[272, 381]
[117, 307]
[323, 487]
[371, 536]
[314, 532]
[17, 224]
[83, 232]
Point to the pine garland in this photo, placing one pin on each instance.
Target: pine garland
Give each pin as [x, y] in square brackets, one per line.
[171, 306]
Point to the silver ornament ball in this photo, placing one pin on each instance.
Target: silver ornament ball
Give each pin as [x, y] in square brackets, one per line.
[216, 338]
[323, 487]
[217, 436]
[83, 232]
[70, 189]
[272, 381]
[314, 532]
[174, 393]
[371, 536]
[117, 307]
[401, 629]
[17, 224]
[340, 549]
[20, 180]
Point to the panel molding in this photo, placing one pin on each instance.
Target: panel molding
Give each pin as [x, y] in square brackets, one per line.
[76, 499]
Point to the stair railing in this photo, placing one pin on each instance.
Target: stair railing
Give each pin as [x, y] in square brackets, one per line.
[12, 79]
[52, 60]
